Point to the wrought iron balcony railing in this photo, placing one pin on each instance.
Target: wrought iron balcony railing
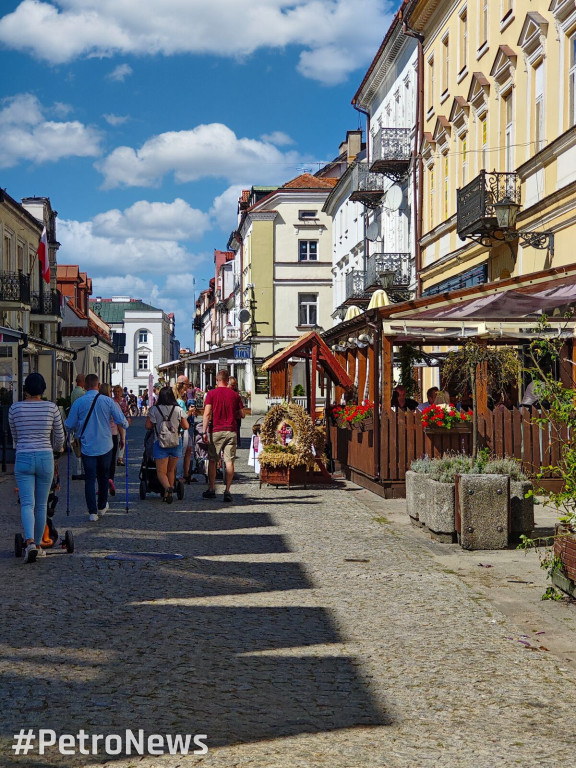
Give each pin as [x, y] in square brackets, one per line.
[14, 287]
[47, 303]
[399, 263]
[476, 214]
[392, 152]
[367, 187]
[355, 284]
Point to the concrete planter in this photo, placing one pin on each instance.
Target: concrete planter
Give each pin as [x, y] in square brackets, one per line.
[440, 510]
[483, 511]
[521, 509]
[416, 496]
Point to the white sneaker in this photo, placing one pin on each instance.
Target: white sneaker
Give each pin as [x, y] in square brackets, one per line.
[30, 553]
[40, 552]
[102, 512]
[93, 518]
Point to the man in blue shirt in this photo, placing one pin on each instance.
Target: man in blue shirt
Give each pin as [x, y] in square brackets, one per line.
[89, 418]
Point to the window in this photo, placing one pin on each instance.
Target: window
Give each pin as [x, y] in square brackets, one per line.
[572, 81]
[307, 250]
[142, 337]
[463, 40]
[142, 362]
[484, 24]
[445, 62]
[464, 158]
[431, 82]
[307, 214]
[508, 133]
[307, 309]
[507, 6]
[431, 208]
[446, 185]
[538, 107]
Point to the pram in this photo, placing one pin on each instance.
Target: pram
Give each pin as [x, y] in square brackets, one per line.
[51, 537]
[149, 482]
[199, 458]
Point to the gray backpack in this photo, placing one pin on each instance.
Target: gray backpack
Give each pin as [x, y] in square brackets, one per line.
[166, 432]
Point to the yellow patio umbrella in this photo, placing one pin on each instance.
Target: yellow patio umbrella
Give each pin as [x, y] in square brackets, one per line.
[379, 299]
[352, 311]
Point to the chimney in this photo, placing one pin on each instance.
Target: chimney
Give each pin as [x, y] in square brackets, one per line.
[353, 144]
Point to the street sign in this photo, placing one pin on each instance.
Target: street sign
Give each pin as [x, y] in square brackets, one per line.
[118, 340]
[242, 351]
[117, 357]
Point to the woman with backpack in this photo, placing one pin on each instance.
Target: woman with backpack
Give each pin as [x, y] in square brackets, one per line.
[167, 418]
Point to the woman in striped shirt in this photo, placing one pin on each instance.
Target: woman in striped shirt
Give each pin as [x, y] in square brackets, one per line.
[37, 431]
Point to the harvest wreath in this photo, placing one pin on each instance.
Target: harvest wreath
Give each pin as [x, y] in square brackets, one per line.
[300, 451]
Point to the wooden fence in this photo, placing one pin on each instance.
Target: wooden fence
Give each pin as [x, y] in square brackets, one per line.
[403, 439]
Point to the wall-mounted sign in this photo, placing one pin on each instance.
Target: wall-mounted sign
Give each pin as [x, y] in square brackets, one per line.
[242, 351]
[260, 378]
[117, 357]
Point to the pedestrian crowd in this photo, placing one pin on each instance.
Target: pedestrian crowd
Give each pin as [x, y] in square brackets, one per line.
[97, 422]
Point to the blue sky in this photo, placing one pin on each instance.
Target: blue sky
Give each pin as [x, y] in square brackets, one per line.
[141, 120]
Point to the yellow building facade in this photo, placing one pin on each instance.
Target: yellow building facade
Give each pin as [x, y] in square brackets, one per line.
[498, 94]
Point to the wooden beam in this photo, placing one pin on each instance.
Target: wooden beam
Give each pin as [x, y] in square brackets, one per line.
[387, 372]
[313, 382]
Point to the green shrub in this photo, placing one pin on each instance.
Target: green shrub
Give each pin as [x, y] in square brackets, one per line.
[505, 466]
[421, 466]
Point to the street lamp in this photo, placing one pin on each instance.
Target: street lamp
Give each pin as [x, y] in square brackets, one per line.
[386, 278]
[506, 213]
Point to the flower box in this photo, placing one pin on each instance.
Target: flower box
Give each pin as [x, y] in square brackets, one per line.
[367, 424]
[287, 476]
[465, 426]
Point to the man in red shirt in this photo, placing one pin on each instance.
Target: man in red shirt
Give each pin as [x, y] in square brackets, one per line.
[223, 406]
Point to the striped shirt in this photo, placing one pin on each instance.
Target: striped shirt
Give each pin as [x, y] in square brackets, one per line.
[33, 423]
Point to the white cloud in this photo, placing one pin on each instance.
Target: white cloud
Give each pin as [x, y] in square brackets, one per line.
[279, 138]
[115, 120]
[154, 221]
[120, 73]
[206, 151]
[62, 30]
[224, 209]
[28, 136]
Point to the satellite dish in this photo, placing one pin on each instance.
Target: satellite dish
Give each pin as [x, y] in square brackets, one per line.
[244, 315]
[394, 197]
[373, 231]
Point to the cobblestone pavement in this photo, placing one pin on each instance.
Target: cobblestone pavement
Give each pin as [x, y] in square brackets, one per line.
[300, 630]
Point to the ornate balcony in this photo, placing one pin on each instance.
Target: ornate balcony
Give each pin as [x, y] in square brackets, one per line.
[476, 215]
[46, 303]
[368, 187]
[392, 152]
[231, 333]
[399, 263]
[355, 289]
[14, 289]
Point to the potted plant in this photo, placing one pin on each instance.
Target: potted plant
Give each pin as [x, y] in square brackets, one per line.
[359, 416]
[442, 417]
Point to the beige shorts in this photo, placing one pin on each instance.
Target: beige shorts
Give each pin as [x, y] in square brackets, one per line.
[222, 441]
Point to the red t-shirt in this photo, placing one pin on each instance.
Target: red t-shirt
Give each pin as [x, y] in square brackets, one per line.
[226, 405]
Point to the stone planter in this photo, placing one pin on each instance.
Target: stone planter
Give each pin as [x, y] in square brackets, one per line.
[483, 511]
[416, 496]
[521, 509]
[440, 511]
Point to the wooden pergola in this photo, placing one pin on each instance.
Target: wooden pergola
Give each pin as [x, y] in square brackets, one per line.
[505, 312]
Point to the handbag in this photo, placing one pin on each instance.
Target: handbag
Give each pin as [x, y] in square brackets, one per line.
[76, 442]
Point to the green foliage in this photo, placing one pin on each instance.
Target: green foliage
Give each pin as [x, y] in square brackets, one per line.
[421, 466]
[459, 370]
[407, 357]
[505, 466]
[445, 469]
[551, 593]
[298, 391]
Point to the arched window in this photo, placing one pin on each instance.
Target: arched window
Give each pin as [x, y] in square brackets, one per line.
[143, 335]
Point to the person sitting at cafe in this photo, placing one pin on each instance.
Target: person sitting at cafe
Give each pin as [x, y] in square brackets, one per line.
[431, 395]
[400, 401]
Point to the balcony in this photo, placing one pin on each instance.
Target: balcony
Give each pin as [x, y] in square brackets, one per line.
[399, 263]
[14, 289]
[368, 187]
[355, 281]
[476, 214]
[392, 152]
[231, 334]
[46, 303]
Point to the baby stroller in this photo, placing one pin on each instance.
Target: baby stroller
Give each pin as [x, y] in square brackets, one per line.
[199, 458]
[149, 482]
[51, 537]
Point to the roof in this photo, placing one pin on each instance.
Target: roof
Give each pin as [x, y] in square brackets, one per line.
[307, 181]
[302, 347]
[114, 311]
[68, 272]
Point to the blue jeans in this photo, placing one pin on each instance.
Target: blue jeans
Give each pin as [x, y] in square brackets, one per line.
[34, 471]
[96, 469]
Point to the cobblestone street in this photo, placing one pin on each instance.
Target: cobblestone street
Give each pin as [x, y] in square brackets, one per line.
[301, 629]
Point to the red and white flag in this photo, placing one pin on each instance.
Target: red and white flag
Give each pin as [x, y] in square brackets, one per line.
[43, 256]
